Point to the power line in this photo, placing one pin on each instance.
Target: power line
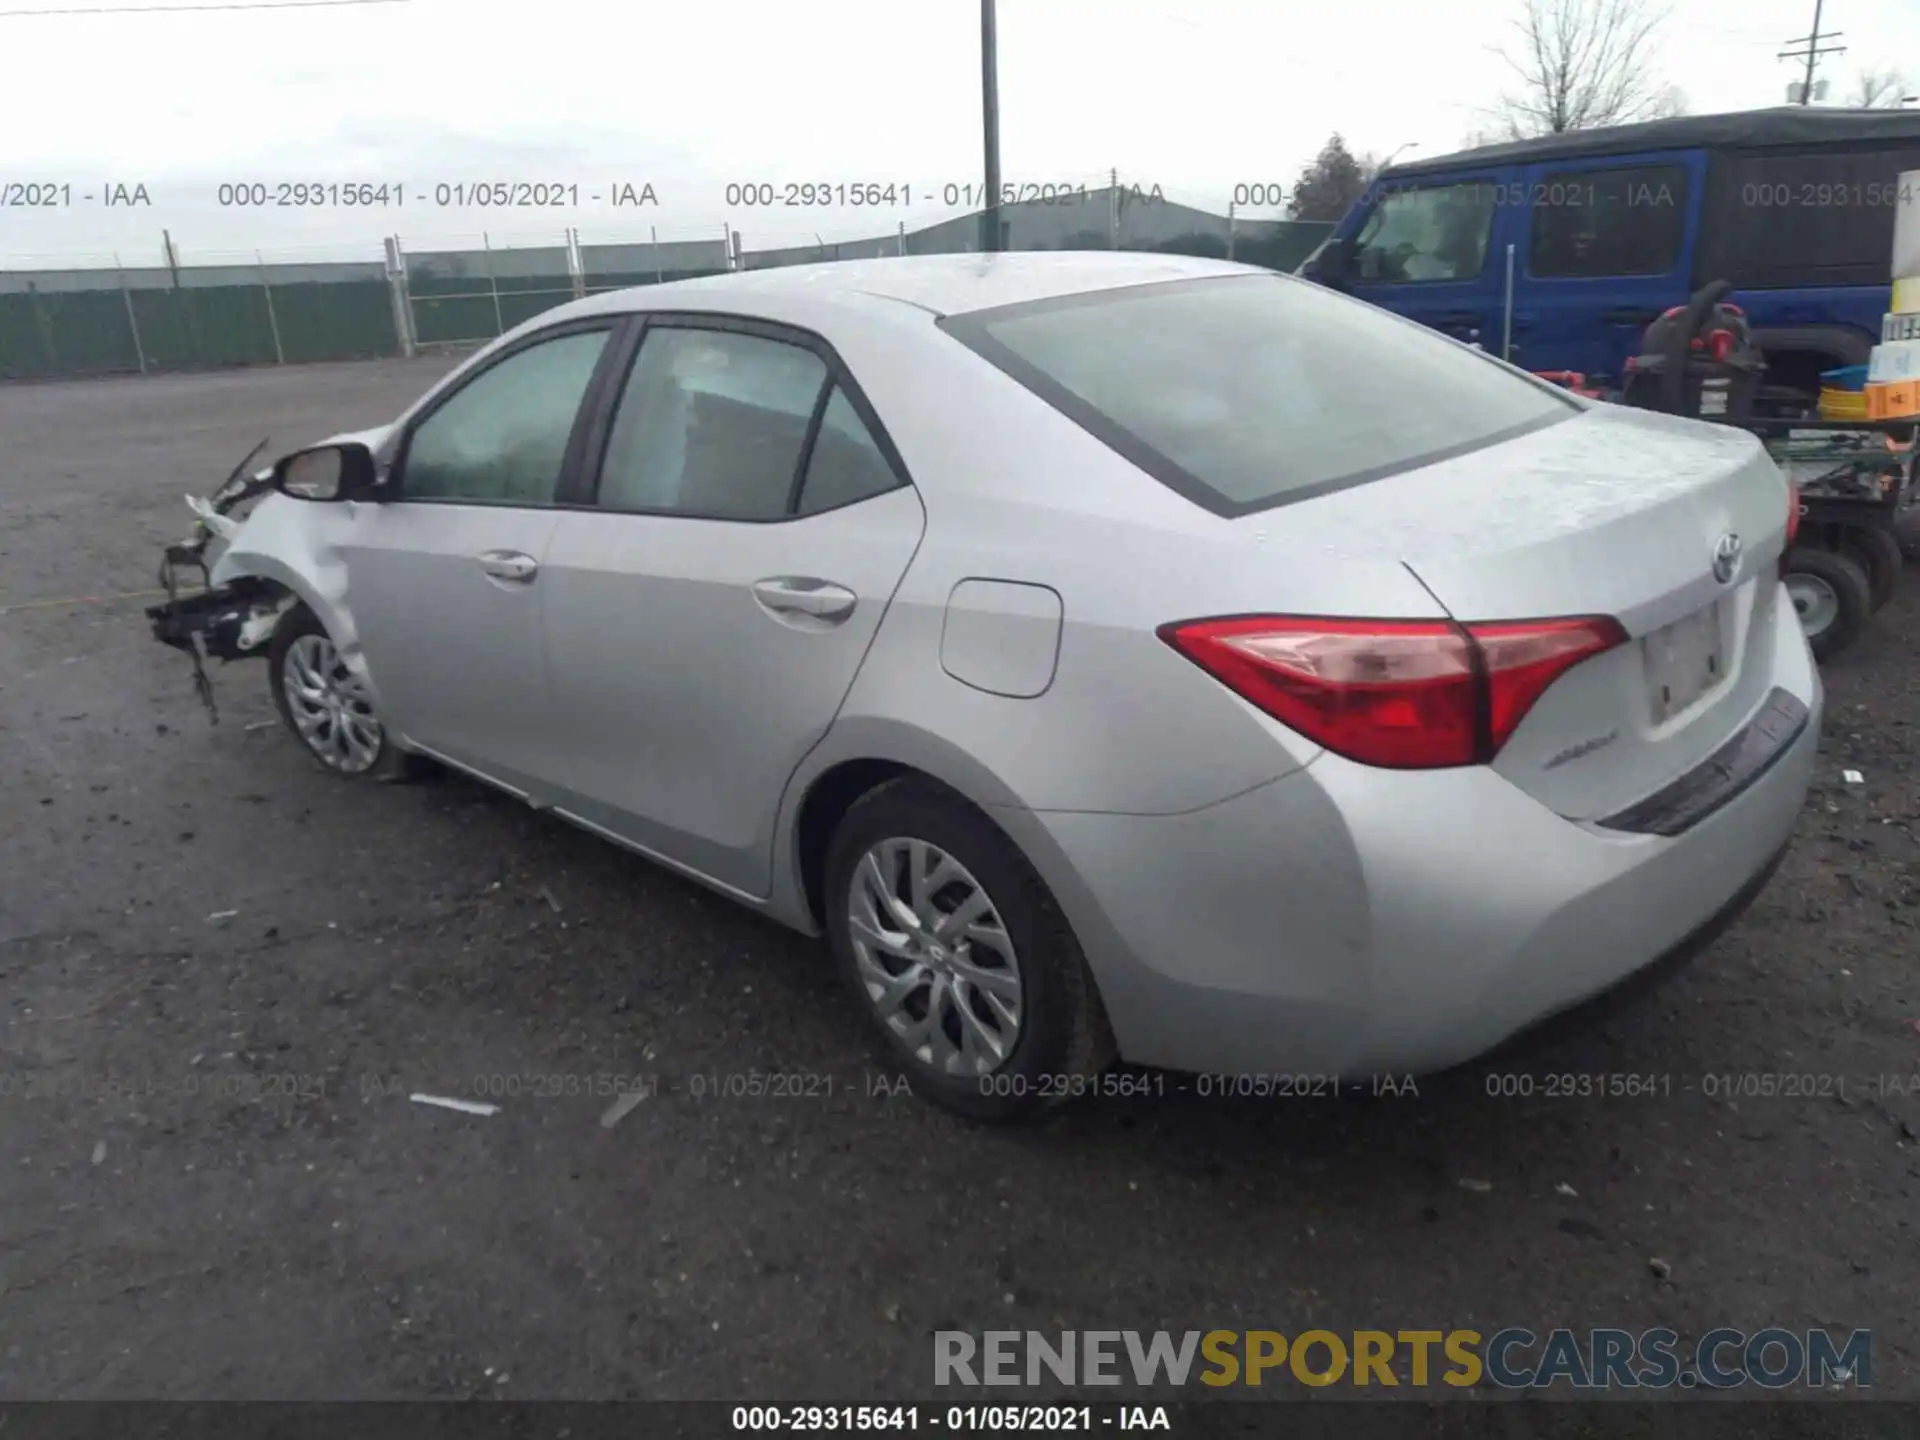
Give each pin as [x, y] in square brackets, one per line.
[1812, 53]
[183, 9]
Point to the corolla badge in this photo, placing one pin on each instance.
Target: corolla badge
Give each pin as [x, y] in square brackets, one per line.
[1726, 557]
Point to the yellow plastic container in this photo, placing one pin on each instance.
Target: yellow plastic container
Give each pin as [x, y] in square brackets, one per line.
[1843, 404]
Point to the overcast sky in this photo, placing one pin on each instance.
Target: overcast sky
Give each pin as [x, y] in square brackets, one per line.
[1194, 96]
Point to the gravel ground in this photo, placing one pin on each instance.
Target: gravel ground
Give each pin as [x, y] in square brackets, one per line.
[213, 1184]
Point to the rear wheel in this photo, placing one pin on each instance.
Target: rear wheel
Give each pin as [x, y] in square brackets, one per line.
[1875, 550]
[1832, 596]
[958, 956]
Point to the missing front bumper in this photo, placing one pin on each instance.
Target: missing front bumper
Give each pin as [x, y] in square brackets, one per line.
[230, 622]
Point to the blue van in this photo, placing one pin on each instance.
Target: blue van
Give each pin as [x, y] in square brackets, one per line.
[1559, 251]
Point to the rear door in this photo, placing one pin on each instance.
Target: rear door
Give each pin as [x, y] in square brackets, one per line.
[1607, 246]
[706, 616]
[1434, 250]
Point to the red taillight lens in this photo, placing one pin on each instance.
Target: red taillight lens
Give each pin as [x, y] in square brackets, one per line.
[1793, 511]
[1401, 694]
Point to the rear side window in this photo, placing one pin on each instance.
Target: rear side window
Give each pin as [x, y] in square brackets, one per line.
[1252, 391]
[712, 424]
[1791, 219]
[1592, 223]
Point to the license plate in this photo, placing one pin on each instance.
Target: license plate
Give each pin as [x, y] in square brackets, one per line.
[1684, 661]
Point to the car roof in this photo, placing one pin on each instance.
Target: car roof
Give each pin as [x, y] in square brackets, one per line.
[939, 284]
[1743, 129]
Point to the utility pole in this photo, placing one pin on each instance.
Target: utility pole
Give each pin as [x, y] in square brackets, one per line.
[990, 128]
[1113, 209]
[1813, 51]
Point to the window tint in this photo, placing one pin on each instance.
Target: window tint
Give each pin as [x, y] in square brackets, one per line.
[1805, 218]
[1608, 222]
[711, 423]
[1244, 392]
[501, 438]
[1437, 232]
[846, 464]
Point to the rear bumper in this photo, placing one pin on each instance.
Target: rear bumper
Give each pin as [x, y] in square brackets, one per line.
[1347, 921]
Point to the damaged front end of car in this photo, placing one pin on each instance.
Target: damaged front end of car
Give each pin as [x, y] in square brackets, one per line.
[224, 622]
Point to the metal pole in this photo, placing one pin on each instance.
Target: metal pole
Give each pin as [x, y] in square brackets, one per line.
[493, 285]
[397, 294]
[1113, 209]
[574, 264]
[903, 239]
[133, 323]
[273, 320]
[1506, 319]
[1230, 210]
[658, 273]
[990, 127]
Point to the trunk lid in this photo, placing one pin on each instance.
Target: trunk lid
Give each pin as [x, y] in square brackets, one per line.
[1614, 512]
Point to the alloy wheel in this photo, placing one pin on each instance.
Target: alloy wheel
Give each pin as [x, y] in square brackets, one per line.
[934, 957]
[330, 707]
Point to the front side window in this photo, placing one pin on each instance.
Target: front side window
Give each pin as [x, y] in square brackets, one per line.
[1590, 223]
[1437, 232]
[1247, 392]
[711, 423]
[501, 439]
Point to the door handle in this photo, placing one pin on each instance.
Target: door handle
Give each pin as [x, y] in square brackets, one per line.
[804, 595]
[1628, 316]
[1458, 317]
[509, 565]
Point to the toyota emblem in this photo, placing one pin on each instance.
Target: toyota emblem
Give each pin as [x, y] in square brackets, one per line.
[1726, 557]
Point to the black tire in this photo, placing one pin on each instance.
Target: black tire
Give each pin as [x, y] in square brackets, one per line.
[390, 764]
[1875, 550]
[1063, 1039]
[1851, 592]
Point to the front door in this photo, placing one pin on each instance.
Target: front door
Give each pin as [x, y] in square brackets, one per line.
[706, 619]
[445, 579]
[1608, 247]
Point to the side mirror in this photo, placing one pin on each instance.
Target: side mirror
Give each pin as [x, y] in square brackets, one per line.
[326, 472]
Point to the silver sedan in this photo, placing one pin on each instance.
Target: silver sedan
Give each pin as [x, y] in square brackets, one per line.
[1109, 655]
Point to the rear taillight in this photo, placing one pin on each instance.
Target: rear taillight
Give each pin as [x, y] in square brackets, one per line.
[1402, 694]
[1793, 511]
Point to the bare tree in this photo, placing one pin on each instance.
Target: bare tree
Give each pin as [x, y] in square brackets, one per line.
[1878, 90]
[1582, 64]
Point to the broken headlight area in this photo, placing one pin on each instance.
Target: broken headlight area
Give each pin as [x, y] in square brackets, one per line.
[231, 622]
[226, 622]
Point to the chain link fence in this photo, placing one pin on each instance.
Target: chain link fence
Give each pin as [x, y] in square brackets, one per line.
[70, 323]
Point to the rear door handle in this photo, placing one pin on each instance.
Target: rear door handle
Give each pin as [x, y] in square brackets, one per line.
[1628, 316]
[805, 595]
[509, 565]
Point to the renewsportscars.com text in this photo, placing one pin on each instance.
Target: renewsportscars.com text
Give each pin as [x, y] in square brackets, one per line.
[1513, 1358]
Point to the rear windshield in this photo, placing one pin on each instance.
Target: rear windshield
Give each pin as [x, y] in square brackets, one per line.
[1246, 392]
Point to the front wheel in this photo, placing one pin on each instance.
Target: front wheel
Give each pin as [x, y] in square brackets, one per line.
[1832, 596]
[325, 704]
[958, 956]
